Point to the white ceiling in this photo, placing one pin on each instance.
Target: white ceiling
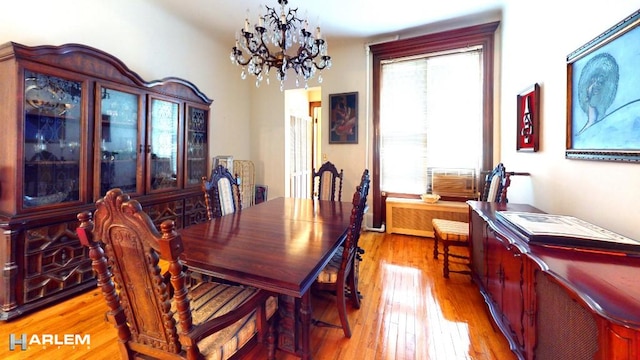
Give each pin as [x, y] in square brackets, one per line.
[337, 18]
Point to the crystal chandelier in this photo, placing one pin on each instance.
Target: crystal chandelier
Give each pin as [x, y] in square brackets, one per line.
[281, 29]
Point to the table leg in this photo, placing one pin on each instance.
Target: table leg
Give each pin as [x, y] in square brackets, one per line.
[305, 323]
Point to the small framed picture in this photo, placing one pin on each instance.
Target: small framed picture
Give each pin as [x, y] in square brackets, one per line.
[343, 118]
[528, 129]
[224, 160]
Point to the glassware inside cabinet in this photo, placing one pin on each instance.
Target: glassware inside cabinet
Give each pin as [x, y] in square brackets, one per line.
[52, 129]
[196, 145]
[118, 140]
[165, 116]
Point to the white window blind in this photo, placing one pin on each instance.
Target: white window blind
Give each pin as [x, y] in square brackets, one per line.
[430, 116]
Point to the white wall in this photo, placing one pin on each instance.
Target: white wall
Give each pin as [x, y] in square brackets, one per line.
[348, 74]
[268, 137]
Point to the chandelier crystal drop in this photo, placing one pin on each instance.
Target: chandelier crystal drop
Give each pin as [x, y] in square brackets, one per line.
[267, 45]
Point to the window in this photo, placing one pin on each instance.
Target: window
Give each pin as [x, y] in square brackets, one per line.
[425, 81]
[430, 117]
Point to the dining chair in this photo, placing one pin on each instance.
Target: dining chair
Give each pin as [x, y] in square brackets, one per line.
[340, 275]
[456, 233]
[221, 193]
[326, 181]
[161, 316]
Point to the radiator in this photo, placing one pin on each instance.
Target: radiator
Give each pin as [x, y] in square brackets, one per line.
[413, 216]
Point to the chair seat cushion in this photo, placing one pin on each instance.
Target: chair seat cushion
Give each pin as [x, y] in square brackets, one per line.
[451, 230]
[329, 275]
[211, 299]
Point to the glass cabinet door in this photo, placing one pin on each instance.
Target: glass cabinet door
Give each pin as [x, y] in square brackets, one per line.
[163, 144]
[196, 157]
[52, 139]
[119, 140]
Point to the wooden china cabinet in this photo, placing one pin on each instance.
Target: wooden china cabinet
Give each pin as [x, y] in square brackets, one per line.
[555, 302]
[77, 122]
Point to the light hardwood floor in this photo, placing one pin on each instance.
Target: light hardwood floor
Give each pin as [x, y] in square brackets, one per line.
[409, 311]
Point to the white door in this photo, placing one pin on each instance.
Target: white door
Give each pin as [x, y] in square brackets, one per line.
[300, 156]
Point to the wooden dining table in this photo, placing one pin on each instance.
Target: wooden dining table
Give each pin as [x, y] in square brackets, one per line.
[280, 246]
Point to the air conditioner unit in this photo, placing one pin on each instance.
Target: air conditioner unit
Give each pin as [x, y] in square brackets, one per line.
[453, 182]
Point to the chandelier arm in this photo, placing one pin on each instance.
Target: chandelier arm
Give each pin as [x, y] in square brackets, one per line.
[271, 16]
[292, 16]
[320, 67]
[237, 52]
[308, 53]
[312, 57]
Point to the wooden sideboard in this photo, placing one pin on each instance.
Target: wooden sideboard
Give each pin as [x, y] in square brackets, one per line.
[554, 302]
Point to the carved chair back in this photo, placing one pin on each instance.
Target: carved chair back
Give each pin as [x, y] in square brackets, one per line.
[221, 193]
[139, 300]
[496, 184]
[326, 181]
[355, 227]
